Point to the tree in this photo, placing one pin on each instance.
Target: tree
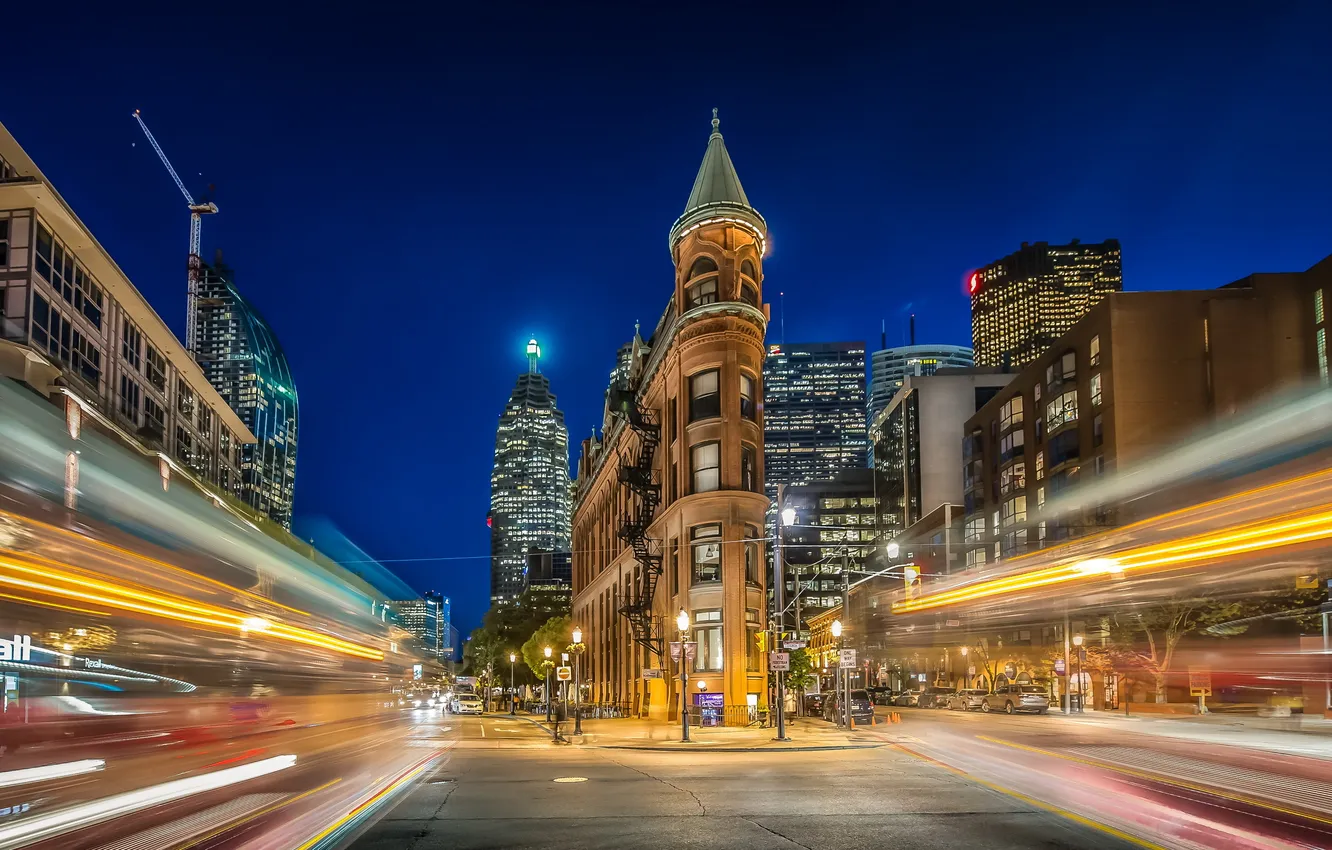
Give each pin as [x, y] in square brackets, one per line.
[801, 674]
[554, 633]
[1147, 637]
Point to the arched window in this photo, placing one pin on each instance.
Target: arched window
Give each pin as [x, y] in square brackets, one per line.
[747, 269]
[749, 295]
[703, 293]
[702, 265]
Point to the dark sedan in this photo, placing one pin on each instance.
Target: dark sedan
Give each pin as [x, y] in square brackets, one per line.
[862, 710]
[814, 704]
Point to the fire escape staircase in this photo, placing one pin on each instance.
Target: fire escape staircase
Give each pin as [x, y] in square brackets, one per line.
[636, 475]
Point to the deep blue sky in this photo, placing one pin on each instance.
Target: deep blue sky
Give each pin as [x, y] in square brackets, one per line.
[408, 198]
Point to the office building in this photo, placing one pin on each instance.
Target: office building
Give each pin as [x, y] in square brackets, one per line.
[917, 443]
[241, 356]
[529, 485]
[1021, 304]
[889, 367]
[75, 329]
[548, 582]
[813, 412]
[1140, 372]
[834, 518]
[670, 506]
[427, 618]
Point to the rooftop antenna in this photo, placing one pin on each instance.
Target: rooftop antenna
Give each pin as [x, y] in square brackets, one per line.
[883, 333]
[913, 328]
[781, 303]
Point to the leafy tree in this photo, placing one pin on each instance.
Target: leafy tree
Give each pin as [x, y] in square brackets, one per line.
[554, 633]
[801, 674]
[1147, 637]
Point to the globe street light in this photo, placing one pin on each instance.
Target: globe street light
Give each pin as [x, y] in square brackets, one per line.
[512, 700]
[577, 650]
[1077, 643]
[682, 621]
[547, 664]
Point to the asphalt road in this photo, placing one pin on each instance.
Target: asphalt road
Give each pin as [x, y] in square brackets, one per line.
[505, 785]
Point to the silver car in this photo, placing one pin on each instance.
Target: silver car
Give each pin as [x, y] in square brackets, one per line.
[1013, 698]
[968, 699]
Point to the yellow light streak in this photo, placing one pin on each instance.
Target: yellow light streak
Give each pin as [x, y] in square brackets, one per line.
[66, 585]
[1270, 534]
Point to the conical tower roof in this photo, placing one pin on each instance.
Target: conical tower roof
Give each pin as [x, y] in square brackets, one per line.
[717, 192]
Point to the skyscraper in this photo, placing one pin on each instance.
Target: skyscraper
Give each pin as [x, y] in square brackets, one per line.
[427, 618]
[241, 357]
[813, 412]
[1021, 304]
[529, 487]
[890, 366]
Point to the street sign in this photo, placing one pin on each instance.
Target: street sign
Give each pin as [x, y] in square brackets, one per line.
[1060, 668]
[652, 673]
[971, 671]
[564, 674]
[794, 644]
[675, 651]
[847, 659]
[1200, 682]
[779, 662]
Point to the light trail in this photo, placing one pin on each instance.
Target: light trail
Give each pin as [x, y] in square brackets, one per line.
[1237, 540]
[49, 771]
[34, 575]
[63, 821]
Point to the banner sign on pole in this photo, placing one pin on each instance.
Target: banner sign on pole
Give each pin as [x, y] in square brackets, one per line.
[1060, 669]
[691, 650]
[779, 662]
[675, 651]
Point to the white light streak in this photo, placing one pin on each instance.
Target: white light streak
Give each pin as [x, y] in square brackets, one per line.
[49, 771]
[59, 822]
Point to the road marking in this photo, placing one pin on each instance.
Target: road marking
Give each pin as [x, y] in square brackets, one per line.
[483, 730]
[570, 779]
[1040, 804]
[1167, 780]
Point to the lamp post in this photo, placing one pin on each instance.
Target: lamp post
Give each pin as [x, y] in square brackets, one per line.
[512, 692]
[548, 665]
[842, 693]
[577, 650]
[1077, 648]
[682, 621]
[786, 516]
[966, 671]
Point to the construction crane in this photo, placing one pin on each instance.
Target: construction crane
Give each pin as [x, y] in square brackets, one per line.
[198, 209]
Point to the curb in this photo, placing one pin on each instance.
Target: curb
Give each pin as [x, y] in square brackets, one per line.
[711, 749]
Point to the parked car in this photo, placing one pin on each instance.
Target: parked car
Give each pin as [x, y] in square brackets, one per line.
[967, 699]
[814, 704]
[467, 704]
[862, 709]
[881, 696]
[934, 696]
[909, 698]
[1013, 698]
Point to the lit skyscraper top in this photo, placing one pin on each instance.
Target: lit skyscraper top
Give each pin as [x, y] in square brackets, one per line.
[1021, 304]
[529, 486]
[890, 366]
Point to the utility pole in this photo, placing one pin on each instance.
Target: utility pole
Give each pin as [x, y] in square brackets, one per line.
[779, 602]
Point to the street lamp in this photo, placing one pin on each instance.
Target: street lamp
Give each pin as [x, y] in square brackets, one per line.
[512, 692]
[842, 685]
[1077, 643]
[548, 665]
[786, 517]
[577, 649]
[682, 621]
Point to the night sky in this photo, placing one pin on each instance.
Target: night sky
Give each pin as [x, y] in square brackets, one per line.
[407, 199]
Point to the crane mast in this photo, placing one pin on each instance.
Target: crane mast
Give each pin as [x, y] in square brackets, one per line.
[195, 267]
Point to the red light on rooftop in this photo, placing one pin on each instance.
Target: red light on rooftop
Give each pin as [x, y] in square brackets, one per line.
[974, 283]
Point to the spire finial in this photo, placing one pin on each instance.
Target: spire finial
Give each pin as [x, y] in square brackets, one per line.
[636, 327]
[716, 122]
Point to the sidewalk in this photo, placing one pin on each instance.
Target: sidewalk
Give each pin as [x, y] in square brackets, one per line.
[634, 734]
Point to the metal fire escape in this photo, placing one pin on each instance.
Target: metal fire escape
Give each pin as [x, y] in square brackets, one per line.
[636, 475]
